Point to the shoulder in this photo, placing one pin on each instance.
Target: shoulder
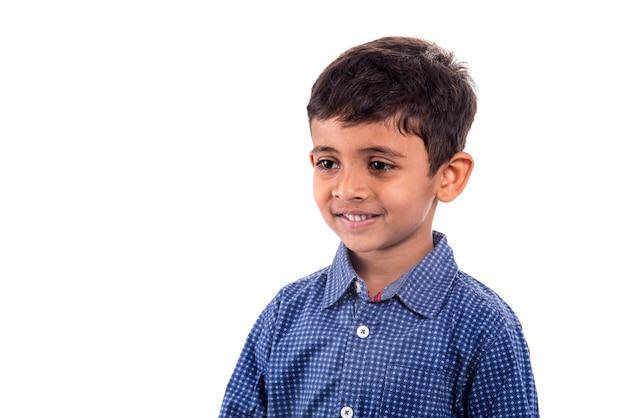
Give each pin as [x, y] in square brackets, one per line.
[299, 293]
[479, 307]
[290, 300]
[304, 286]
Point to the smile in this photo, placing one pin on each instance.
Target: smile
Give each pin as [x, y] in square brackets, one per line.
[356, 218]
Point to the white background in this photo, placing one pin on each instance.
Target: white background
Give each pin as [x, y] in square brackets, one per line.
[155, 191]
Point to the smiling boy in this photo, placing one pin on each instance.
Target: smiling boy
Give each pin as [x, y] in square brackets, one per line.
[392, 327]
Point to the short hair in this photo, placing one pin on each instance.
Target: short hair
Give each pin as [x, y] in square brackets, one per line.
[417, 84]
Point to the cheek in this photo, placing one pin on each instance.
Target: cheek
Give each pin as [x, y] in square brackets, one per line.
[320, 192]
[411, 200]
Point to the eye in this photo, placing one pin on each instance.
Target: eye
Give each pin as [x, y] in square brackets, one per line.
[380, 166]
[326, 164]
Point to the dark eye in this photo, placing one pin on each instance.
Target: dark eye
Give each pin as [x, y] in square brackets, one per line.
[326, 164]
[379, 165]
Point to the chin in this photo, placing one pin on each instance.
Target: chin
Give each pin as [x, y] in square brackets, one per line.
[360, 247]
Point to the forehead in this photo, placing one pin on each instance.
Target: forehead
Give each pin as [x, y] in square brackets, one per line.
[335, 135]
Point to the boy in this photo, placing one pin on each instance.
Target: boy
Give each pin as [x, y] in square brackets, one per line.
[392, 328]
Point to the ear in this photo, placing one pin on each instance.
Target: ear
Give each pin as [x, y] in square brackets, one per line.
[454, 176]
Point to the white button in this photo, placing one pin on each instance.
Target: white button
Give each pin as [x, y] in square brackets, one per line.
[363, 331]
[357, 286]
[347, 412]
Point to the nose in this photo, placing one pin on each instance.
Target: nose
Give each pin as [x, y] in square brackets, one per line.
[350, 184]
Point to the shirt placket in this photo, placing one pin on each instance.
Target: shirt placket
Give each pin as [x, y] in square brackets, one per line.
[357, 358]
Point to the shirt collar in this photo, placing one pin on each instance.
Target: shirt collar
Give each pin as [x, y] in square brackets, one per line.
[421, 289]
[340, 275]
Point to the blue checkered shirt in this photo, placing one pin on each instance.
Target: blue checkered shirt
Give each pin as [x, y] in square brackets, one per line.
[437, 344]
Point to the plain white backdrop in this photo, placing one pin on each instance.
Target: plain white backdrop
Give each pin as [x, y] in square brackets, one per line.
[155, 191]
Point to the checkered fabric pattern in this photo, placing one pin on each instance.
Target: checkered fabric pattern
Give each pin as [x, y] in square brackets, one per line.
[438, 343]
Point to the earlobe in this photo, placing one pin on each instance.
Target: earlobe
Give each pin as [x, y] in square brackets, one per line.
[454, 176]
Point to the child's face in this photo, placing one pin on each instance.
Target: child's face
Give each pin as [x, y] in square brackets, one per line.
[372, 186]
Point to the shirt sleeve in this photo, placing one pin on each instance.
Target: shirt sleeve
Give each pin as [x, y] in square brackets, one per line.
[503, 384]
[245, 393]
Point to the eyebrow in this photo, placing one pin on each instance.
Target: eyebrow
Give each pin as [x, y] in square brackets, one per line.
[369, 150]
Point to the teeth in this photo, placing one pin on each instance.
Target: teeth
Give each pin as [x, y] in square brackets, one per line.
[356, 217]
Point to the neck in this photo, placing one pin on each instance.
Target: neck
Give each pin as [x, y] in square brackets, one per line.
[378, 269]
